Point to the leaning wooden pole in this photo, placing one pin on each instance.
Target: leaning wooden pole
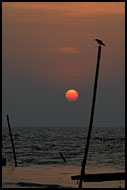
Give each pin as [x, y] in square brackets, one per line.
[91, 118]
[12, 141]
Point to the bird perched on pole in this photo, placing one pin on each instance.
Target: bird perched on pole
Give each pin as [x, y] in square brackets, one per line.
[100, 42]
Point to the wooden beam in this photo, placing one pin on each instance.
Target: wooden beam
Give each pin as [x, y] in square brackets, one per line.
[62, 157]
[13, 148]
[101, 177]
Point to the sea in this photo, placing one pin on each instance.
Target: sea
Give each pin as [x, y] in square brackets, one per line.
[40, 164]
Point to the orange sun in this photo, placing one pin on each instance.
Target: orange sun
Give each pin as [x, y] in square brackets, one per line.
[71, 95]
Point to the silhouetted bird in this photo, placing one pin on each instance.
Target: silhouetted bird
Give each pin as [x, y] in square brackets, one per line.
[100, 42]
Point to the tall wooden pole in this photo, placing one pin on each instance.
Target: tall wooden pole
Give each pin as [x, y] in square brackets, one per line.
[12, 141]
[91, 118]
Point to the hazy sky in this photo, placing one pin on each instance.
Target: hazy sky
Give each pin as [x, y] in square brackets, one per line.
[49, 48]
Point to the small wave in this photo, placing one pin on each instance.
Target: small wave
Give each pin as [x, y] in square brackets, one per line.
[109, 139]
[36, 148]
[46, 162]
[27, 184]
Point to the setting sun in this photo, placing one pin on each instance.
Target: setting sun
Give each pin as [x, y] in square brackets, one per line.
[71, 95]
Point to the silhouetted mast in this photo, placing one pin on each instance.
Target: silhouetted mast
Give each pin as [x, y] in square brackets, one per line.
[91, 118]
[103, 176]
[12, 141]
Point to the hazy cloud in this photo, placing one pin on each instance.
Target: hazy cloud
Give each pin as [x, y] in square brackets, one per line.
[68, 50]
[71, 9]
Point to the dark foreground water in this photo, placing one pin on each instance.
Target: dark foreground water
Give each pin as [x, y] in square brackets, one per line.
[40, 164]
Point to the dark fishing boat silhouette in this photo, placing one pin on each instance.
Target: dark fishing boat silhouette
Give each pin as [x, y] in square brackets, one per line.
[102, 176]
